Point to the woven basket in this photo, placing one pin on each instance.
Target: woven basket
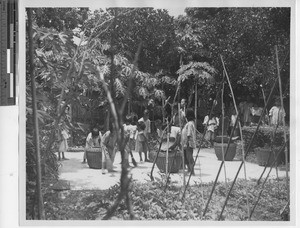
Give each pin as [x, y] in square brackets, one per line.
[161, 162]
[94, 158]
[262, 156]
[230, 153]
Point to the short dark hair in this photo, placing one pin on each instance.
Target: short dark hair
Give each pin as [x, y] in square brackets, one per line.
[146, 112]
[128, 119]
[190, 115]
[141, 125]
[95, 132]
[134, 119]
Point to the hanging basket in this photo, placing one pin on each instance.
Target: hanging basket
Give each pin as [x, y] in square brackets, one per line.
[262, 156]
[161, 162]
[94, 158]
[230, 153]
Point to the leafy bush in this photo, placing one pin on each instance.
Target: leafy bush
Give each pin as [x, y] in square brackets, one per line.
[264, 136]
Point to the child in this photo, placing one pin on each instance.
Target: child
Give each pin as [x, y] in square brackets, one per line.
[147, 122]
[212, 124]
[188, 140]
[63, 147]
[141, 144]
[93, 140]
[133, 129]
[128, 128]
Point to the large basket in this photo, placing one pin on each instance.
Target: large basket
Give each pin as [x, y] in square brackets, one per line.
[94, 158]
[161, 162]
[262, 156]
[230, 153]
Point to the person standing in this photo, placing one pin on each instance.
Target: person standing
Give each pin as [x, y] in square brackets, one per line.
[63, 147]
[109, 141]
[245, 108]
[188, 140]
[141, 145]
[211, 126]
[146, 120]
[277, 114]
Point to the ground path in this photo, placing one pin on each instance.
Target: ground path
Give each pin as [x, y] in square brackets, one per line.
[81, 177]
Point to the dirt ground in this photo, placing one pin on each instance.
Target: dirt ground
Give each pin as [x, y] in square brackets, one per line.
[81, 177]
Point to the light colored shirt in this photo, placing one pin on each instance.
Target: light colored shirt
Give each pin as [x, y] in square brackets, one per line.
[256, 111]
[175, 131]
[276, 115]
[212, 124]
[93, 142]
[188, 135]
[65, 134]
[148, 127]
[233, 120]
[109, 140]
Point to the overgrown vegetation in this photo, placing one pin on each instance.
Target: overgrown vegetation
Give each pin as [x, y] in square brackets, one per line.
[150, 202]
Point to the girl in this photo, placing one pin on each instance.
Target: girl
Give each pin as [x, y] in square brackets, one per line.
[141, 144]
[188, 140]
[63, 147]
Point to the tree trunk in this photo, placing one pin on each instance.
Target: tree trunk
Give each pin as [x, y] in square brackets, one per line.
[40, 203]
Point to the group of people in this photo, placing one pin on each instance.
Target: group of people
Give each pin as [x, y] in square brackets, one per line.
[178, 126]
[250, 113]
[136, 136]
[181, 134]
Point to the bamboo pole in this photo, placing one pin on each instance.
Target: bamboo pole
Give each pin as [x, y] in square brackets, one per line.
[182, 151]
[196, 107]
[167, 152]
[223, 113]
[196, 115]
[40, 203]
[240, 128]
[284, 129]
[163, 110]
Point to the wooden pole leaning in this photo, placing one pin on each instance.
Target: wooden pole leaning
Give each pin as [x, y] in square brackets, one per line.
[248, 149]
[284, 129]
[222, 139]
[167, 152]
[240, 128]
[182, 151]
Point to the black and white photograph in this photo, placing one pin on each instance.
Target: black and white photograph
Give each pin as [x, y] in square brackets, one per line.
[150, 114]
